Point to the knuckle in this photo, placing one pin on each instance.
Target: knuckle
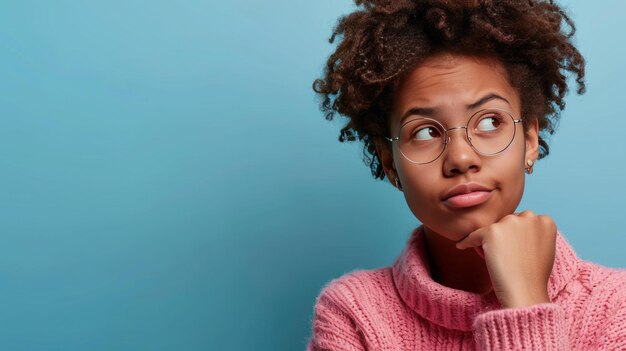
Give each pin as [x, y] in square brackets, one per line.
[548, 222]
[529, 213]
[545, 219]
[512, 216]
[524, 214]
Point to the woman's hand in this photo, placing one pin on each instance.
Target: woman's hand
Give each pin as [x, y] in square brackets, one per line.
[519, 251]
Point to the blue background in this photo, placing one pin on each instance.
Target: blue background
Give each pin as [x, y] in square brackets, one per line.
[168, 182]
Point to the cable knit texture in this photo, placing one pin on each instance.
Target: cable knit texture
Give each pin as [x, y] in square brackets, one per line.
[401, 308]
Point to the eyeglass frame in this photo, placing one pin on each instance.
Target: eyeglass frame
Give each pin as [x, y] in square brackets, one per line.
[447, 136]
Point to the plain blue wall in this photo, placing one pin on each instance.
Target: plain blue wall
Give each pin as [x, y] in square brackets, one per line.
[168, 182]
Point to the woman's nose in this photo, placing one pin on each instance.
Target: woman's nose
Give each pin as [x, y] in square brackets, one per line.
[459, 156]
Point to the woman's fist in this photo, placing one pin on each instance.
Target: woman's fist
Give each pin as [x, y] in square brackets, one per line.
[519, 252]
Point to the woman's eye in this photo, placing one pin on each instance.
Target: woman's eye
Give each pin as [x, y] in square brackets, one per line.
[489, 123]
[427, 133]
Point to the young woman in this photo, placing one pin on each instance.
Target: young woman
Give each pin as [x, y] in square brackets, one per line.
[453, 100]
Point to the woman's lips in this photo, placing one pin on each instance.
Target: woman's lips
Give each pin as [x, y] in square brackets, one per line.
[469, 199]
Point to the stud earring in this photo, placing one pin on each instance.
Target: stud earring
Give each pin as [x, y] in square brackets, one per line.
[398, 185]
[529, 169]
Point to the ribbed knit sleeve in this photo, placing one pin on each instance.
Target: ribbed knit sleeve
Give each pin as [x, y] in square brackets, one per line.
[536, 327]
[332, 328]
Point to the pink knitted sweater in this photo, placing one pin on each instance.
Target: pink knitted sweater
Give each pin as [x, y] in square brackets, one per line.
[401, 308]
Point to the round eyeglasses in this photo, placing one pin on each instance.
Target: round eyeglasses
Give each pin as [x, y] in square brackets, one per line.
[488, 132]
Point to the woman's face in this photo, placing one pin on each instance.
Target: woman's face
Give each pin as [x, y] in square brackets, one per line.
[448, 85]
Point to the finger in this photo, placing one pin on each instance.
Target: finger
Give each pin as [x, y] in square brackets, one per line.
[474, 239]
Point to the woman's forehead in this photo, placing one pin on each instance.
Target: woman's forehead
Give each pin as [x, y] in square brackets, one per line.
[446, 71]
[453, 83]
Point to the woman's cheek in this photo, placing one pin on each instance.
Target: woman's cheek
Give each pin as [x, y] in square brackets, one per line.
[419, 202]
[516, 191]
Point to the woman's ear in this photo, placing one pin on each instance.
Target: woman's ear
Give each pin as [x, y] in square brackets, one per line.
[532, 141]
[385, 154]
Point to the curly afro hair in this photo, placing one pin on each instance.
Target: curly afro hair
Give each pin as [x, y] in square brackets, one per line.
[383, 40]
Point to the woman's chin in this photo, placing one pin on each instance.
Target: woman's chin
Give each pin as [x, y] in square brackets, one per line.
[458, 230]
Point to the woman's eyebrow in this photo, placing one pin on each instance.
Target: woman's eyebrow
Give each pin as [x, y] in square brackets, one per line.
[486, 98]
[430, 111]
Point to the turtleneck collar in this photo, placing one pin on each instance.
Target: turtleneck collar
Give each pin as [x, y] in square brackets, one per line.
[456, 309]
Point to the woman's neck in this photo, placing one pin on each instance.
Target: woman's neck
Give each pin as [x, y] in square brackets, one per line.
[454, 268]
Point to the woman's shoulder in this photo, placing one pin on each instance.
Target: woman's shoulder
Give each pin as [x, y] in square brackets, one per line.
[359, 281]
[598, 275]
[606, 284]
[357, 299]
[367, 288]
[598, 305]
